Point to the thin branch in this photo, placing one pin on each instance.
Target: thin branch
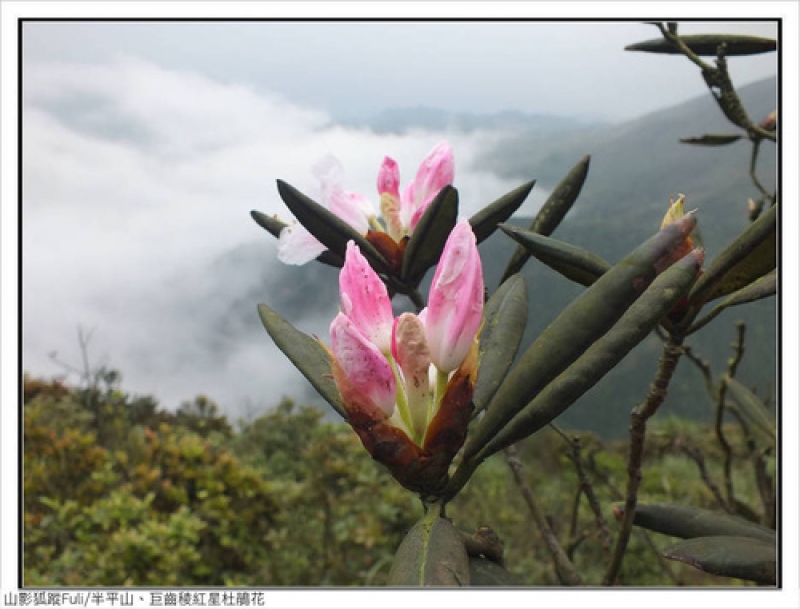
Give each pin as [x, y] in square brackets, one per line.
[639, 417]
[726, 447]
[566, 571]
[704, 367]
[753, 176]
[586, 488]
[679, 44]
[766, 489]
[733, 364]
[591, 496]
[83, 341]
[719, 83]
[641, 533]
[573, 521]
[696, 455]
[738, 349]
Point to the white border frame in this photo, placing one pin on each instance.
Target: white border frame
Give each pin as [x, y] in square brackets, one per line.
[788, 596]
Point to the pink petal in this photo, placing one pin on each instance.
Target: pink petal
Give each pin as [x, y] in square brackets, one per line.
[365, 300]
[435, 172]
[455, 303]
[389, 177]
[297, 246]
[348, 206]
[366, 368]
[330, 173]
[352, 207]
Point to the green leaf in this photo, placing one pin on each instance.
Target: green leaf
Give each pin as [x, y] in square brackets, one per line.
[328, 228]
[686, 522]
[552, 212]
[764, 287]
[583, 321]
[485, 222]
[483, 572]
[426, 244]
[637, 322]
[707, 44]
[758, 418]
[432, 554]
[711, 139]
[306, 353]
[729, 556]
[572, 262]
[750, 256]
[274, 226]
[505, 317]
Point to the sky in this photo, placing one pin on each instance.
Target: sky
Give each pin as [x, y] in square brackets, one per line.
[360, 68]
[146, 145]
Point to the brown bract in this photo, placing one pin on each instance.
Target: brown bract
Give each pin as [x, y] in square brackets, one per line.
[420, 469]
[393, 251]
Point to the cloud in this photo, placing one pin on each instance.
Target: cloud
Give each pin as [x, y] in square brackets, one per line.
[138, 180]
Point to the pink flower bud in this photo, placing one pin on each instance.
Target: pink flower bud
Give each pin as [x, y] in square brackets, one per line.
[455, 303]
[389, 177]
[365, 300]
[435, 172]
[367, 371]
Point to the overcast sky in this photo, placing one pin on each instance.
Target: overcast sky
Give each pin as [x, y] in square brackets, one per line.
[357, 68]
[145, 146]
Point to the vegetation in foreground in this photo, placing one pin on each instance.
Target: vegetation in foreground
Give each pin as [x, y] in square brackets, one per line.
[118, 491]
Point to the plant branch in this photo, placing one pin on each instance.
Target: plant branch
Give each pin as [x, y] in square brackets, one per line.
[704, 367]
[753, 176]
[591, 496]
[567, 574]
[696, 455]
[733, 364]
[639, 417]
[719, 83]
[766, 489]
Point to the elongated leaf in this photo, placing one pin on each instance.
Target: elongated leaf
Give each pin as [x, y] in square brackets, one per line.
[584, 320]
[432, 554]
[552, 212]
[741, 557]
[711, 139]
[707, 44]
[637, 322]
[757, 417]
[483, 572]
[328, 228]
[426, 244]
[274, 226]
[750, 256]
[485, 222]
[574, 263]
[764, 287]
[505, 317]
[306, 353]
[686, 522]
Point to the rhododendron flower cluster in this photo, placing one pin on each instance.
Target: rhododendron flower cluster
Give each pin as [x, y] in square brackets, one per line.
[400, 211]
[407, 382]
